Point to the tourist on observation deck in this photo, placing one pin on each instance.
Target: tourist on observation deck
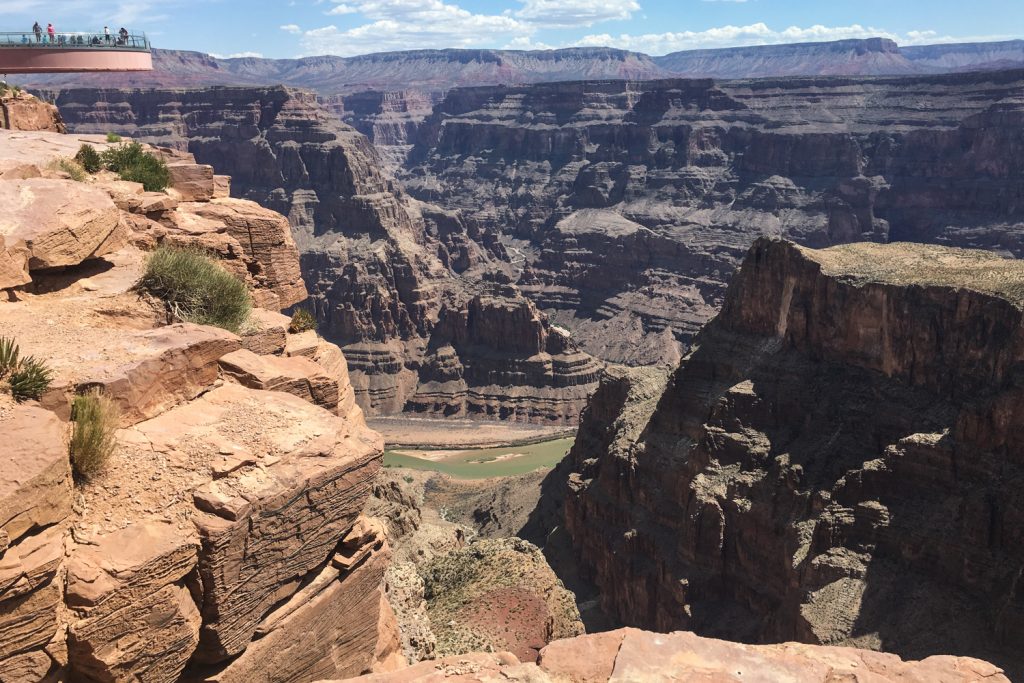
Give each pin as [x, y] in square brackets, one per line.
[50, 31]
[106, 35]
[38, 30]
[124, 35]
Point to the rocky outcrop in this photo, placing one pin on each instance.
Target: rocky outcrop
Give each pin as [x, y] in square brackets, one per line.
[222, 538]
[638, 200]
[382, 269]
[21, 111]
[833, 463]
[53, 223]
[632, 655]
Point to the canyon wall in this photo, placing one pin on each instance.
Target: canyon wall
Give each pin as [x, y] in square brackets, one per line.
[221, 537]
[633, 202]
[391, 280]
[837, 461]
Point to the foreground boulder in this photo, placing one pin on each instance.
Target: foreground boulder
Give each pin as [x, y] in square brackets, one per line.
[54, 223]
[837, 461]
[35, 502]
[629, 655]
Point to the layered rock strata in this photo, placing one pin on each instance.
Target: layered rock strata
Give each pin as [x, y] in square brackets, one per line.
[637, 200]
[222, 540]
[383, 271]
[834, 462]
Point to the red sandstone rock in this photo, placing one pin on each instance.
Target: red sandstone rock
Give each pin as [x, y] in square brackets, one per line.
[27, 113]
[629, 655]
[133, 615]
[60, 222]
[192, 182]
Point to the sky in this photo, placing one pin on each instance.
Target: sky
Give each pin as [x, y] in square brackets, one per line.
[298, 28]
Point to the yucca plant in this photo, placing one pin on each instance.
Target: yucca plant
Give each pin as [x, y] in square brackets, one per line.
[8, 356]
[94, 436]
[30, 379]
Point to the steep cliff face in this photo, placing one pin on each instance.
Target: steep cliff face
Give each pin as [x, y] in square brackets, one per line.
[221, 539]
[639, 199]
[835, 462]
[380, 267]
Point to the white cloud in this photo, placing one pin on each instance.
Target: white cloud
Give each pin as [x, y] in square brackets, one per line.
[238, 55]
[291, 28]
[573, 13]
[407, 24]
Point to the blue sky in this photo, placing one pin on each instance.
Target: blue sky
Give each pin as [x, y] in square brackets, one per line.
[291, 28]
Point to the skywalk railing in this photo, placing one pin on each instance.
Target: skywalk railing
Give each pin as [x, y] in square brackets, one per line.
[64, 40]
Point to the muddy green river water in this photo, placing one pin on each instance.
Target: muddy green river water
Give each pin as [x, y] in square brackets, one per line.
[480, 463]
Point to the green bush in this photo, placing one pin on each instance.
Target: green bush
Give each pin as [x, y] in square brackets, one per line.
[30, 379]
[196, 289]
[71, 167]
[131, 162]
[302, 320]
[122, 156]
[8, 356]
[150, 171]
[89, 158]
[113, 137]
[93, 438]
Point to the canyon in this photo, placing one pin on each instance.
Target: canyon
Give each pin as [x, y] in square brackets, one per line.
[634, 202]
[418, 298]
[614, 210]
[835, 462]
[823, 451]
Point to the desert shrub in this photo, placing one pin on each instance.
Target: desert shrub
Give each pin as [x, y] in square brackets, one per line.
[196, 289]
[131, 162]
[8, 356]
[89, 158]
[69, 166]
[30, 379]
[151, 171]
[113, 137]
[122, 156]
[302, 320]
[93, 437]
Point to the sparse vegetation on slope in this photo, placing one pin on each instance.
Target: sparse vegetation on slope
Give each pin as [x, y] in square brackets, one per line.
[196, 289]
[71, 167]
[302, 320]
[113, 137]
[25, 377]
[93, 438]
[30, 380]
[89, 158]
[131, 162]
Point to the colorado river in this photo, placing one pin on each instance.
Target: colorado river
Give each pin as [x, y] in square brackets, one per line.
[481, 463]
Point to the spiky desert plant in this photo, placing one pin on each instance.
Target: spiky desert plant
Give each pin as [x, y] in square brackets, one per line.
[30, 379]
[94, 435]
[8, 356]
[89, 158]
[196, 289]
[302, 320]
